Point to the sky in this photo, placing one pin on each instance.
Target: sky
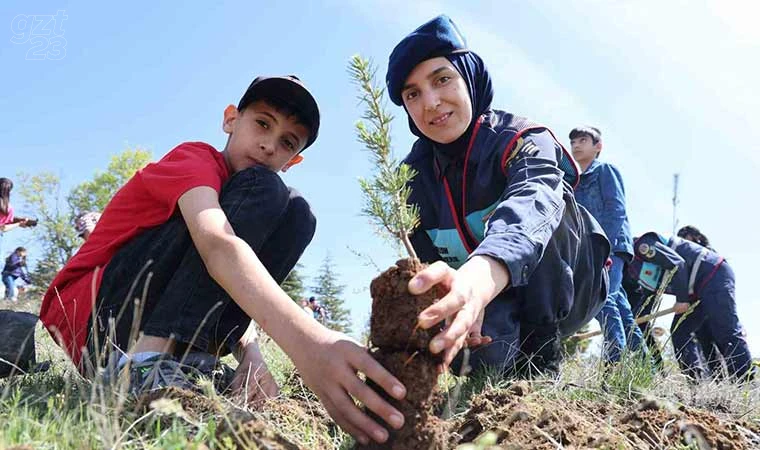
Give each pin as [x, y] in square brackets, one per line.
[672, 86]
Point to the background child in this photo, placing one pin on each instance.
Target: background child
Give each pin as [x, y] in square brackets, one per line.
[601, 191]
[15, 268]
[8, 220]
[692, 233]
[85, 223]
[705, 276]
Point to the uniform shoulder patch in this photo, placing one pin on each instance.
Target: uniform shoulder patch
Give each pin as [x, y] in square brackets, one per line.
[647, 250]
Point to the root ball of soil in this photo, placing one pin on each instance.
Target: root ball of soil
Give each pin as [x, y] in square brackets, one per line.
[416, 371]
[393, 325]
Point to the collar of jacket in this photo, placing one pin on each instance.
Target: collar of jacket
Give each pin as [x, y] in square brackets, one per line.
[592, 167]
[442, 160]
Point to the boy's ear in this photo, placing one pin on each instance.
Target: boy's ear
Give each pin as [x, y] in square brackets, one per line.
[230, 115]
[295, 160]
[598, 146]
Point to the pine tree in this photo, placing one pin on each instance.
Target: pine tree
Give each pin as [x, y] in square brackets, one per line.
[293, 283]
[328, 293]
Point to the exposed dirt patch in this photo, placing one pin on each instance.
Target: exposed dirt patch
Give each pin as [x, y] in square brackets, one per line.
[519, 416]
[266, 428]
[523, 420]
[658, 425]
[193, 404]
[254, 433]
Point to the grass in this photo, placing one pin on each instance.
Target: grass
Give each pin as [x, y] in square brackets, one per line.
[58, 409]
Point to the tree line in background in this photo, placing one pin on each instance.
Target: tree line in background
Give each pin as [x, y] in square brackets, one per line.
[327, 291]
[43, 197]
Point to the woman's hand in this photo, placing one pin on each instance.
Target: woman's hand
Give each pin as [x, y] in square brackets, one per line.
[468, 291]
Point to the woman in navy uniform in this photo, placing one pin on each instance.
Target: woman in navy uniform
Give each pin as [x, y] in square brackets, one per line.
[522, 263]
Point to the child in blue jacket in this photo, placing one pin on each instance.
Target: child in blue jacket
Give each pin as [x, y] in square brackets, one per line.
[601, 191]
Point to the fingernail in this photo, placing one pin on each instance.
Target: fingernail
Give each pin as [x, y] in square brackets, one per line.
[364, 440]
[436, 346]
[415, 284]
[381, 435]
[398, 391]
[397, 420]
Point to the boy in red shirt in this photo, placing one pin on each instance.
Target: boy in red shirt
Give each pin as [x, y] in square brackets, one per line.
[194, 247]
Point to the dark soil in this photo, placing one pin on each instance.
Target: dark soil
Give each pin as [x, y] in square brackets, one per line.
[402, 348]
[393, 324]
[422, 431]
[417, 371]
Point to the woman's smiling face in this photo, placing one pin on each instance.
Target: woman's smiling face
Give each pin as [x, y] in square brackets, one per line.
[437, 99]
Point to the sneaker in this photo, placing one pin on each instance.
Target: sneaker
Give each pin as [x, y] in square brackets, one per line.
[220, 374]
[160, 372]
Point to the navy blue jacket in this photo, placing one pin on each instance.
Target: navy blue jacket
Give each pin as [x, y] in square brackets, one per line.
[506, 198]
[601, 191]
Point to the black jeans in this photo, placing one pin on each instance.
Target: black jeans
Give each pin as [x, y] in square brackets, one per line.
[162, 269]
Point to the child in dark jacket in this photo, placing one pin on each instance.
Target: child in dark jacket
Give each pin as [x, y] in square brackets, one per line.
[705, 276]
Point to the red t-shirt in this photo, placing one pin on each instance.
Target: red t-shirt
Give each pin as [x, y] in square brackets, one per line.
[7, 218]
[147, 200]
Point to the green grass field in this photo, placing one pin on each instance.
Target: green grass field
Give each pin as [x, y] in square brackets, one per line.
[58, 409]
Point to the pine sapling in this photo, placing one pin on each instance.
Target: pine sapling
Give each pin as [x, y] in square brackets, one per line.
[387, 192]
[397, 341]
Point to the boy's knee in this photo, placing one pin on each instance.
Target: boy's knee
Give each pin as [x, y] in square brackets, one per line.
[299, 211]
[256, 181]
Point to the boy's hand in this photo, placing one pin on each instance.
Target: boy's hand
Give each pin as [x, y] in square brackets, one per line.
[252, 380]
[330, 368]
[468, 291]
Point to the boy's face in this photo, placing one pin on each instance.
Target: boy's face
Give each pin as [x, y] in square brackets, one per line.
[584, 149]
[261, 135]
[437, 100]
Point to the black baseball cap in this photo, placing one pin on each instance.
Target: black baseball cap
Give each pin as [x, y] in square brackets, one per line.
[291, 91]
[592, 132]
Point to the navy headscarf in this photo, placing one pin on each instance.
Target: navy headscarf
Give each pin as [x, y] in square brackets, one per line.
[440, 37]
